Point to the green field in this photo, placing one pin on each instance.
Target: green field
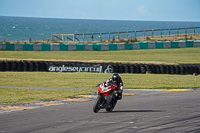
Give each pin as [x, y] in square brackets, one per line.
[180, 55]
[89, 80]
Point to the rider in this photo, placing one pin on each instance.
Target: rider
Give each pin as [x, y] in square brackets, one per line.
[116, 79]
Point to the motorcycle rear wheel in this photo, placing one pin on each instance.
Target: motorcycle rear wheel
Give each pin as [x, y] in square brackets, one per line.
[97, 104]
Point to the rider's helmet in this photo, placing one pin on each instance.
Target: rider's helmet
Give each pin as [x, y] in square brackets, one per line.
[115, 78]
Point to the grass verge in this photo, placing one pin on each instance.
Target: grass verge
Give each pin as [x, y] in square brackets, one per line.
[12, 95]
[179, 55]
[82, 80]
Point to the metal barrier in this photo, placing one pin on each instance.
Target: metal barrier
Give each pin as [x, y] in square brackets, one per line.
[126, 34]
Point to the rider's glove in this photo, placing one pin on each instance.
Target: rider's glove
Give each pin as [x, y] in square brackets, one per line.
[121, 88]
[106, 84]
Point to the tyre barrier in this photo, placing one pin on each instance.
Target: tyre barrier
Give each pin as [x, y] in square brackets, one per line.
[32, 66]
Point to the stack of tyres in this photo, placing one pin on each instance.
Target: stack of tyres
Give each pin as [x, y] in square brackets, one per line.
[40, 66]
[7, 66]
[198, 69]
[194, 69]
[121, 68]
[2, 66]
[35, 66]
[157, 69]
[29, 66]
[112, 65]
[177, 69]
[186, 69]
[115, 67]
[137, 68]
[147, 68]
[189, 69]
[154, 68]
[88, 65]
[150, 68]
[182, 69]
[171, 69]
[24, 65]
[127, 68]
[18, 66]
[142, 68]
[13, 66]
[162, 69]
[46, 65]
[132, 68]
[167, 69]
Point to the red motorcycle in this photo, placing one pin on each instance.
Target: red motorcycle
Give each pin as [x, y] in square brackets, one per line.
[107, 98]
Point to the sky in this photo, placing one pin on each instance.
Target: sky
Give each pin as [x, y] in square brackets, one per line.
[147, 10]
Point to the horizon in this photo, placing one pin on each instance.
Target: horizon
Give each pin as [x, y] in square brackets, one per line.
[97, 19]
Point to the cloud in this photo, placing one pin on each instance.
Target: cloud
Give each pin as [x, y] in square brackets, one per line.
[142, 9]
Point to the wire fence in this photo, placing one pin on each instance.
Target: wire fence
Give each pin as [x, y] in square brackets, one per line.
[126, 34]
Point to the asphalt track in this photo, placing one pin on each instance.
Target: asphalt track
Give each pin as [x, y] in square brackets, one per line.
[146, 111]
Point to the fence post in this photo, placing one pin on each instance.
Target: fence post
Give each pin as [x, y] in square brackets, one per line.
[169, 32]
[109, 36]
[127, 35]
[83, 36]
[100, 37]
[92, 37]
[194, 31]
[152, 33]
[161, 32]
[135, 34]
[52, 37]
[144, 33]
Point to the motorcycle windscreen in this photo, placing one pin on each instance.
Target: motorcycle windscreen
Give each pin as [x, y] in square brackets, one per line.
[106, 90]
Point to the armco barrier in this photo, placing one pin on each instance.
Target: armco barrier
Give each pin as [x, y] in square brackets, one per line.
[63, 47]
[27, 47]
[10, 46]
[128, 46]
[98, 47]
[98, 67]
[2, 46]
[55, 47]
[37, 47]
[46, 47]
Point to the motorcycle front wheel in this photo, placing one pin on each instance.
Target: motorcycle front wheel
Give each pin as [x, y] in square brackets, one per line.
[97, 104]
[112, 105]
